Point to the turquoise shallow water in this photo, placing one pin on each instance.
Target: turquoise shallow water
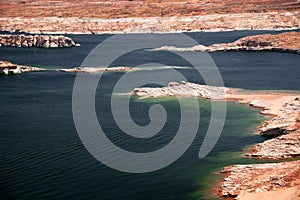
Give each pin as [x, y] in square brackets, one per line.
[42, 156]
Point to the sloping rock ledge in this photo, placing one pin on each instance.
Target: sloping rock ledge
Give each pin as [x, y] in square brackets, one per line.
[284, 146]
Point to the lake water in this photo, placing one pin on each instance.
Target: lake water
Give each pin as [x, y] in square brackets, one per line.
[42, 156]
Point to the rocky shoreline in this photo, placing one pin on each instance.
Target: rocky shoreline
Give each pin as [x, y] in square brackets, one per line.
[8, 68]
[281, 147]
[40, 41]
[285, 132]
[284, 42]
[261, 181]
[283, 128]
[286, 121]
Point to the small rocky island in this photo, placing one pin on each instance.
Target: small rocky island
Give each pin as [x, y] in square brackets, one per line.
[8, 68]
[93, 70]
[256, 180]
[183, 89]
[40, 41]
[284, 42]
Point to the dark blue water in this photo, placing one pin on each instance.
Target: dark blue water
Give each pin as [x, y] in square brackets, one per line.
[42, 156]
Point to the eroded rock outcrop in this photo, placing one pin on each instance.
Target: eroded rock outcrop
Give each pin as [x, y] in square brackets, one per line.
[40, 41]
[259, 178]
[285, 129]
[7, 68]
[281, 147]
[285, 122]
[286, 42]
[183, 89]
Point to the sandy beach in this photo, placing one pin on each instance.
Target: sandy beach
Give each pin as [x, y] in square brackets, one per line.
[271, 102]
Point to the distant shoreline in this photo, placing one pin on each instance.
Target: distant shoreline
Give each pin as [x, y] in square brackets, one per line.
[202, 23]
[145, 32]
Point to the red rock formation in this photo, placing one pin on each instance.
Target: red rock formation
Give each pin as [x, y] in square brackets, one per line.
[108, 9]
[93, 16]
[289, 41]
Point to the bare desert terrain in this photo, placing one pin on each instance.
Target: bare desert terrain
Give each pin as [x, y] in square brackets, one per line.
[108, 16]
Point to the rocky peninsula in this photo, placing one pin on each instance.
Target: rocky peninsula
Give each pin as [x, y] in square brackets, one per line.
[284, 42]
[40, 41]
[262, 181]
[8, 68]
[95, 17]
